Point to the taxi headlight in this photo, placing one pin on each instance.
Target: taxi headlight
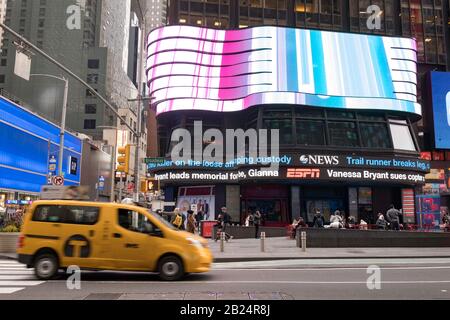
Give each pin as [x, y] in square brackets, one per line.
[195, 243]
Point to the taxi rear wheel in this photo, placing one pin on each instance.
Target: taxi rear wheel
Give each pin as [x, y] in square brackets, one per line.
[170, 268]
[45, 266]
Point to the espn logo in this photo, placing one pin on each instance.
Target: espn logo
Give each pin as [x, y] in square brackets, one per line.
[303, 173]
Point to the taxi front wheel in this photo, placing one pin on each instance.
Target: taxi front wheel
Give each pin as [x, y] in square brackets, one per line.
[45, 266]
[170, 268]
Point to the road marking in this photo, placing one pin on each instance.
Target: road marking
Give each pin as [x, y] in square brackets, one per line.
[332, 262]
[325, 269]
[8, 283]
[5, 272]
[261, 282]
[15, 277]
[9, 290]
[18, 277]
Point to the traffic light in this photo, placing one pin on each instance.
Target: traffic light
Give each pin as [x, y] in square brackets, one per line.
[123, 160]
[144, 186]
[149, 185]
[152, 185]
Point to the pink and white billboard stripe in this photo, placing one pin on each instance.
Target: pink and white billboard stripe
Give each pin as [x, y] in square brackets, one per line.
[191, 68]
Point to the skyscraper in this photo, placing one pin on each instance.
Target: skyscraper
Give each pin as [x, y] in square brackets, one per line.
[2, 15]
[93, 39]
[89, 37]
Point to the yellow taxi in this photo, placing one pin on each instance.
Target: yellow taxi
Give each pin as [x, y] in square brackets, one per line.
[57, 234]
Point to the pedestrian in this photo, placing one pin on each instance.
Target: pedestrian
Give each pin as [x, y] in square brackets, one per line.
[393, 217]
[249, 220]
[257, 222]
[159, 213]
[2, 218]
[299, 222]
[363, 225]
[446, 221]
[319, 220]
[336, 220]
[351, 222]
[381, 222]
[190, 227]
[226, 218]
[177, 219]
[199, 218]
[220, 225]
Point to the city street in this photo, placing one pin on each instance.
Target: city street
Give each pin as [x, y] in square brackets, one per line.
[269, 280]
[241, 150]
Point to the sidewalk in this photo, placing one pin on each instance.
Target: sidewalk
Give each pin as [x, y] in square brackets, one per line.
[8, 256]
[284, 249]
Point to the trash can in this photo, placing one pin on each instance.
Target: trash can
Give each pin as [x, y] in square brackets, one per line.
[207, 227]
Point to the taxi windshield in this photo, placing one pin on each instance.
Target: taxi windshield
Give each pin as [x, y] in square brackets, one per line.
[164, 221]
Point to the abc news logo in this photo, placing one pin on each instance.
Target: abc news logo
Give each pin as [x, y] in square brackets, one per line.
[319, 160]
[303, 173]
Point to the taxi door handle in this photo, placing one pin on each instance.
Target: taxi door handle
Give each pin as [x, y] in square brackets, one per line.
[117, 235]
[56, 225]
[91, 233]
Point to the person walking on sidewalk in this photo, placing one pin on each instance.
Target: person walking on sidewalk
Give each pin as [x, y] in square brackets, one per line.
[393, 217]
[178, 219]
[220, 225]
[190, 226]
[257, 222]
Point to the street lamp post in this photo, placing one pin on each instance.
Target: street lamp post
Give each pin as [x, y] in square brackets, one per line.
[137, 163]
[113, 162]
[63, 118]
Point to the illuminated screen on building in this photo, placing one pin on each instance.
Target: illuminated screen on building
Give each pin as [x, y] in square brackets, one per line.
[191, 68]
[440, 88]
[28, 142]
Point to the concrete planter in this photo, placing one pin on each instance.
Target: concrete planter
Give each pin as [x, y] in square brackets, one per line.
[345, 238]
[8, 242]
[239, 232]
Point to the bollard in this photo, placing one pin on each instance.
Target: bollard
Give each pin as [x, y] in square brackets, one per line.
[263, 238]
[297, 238]
[303, 241]
[222, 240]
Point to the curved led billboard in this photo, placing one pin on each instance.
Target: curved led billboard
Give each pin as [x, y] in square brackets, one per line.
[191, 68]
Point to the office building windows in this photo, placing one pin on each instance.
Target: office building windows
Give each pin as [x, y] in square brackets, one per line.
[90, 124]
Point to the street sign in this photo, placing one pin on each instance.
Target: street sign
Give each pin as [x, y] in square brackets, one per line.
[52, 164]
[64, 193]
[101, 183]
[154, 160]
[58, 181]
[73, 165]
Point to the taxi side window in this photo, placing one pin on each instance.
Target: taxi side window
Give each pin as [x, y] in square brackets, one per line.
[48, 214]
[66, 214]
[135, 222]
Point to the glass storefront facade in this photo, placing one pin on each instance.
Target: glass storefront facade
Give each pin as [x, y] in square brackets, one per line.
[425, 20]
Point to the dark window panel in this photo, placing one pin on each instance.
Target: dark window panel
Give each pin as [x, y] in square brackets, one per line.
[343, 134]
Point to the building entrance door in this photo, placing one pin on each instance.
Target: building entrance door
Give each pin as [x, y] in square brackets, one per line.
[271, 200]
[273, 212]
[326, 199]
[326, 207]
